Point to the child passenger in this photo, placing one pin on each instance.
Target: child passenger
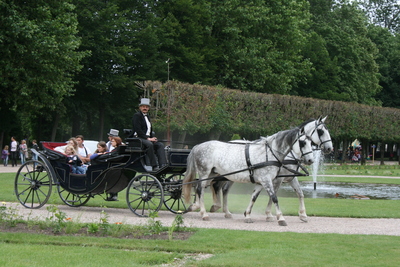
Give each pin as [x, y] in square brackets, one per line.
[73, 160]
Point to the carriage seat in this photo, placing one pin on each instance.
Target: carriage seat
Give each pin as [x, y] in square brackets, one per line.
[114, 156]
[133, 144]
[48, 148]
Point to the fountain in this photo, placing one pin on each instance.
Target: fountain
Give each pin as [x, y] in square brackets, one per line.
[318, 160]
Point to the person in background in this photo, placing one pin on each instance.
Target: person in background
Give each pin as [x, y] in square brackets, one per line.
[36, 147]
[142, 128]
[4, 155]
[23, 151]
[111, 134]
[13, 151]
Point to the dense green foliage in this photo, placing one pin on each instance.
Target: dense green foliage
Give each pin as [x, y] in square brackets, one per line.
[72, 66]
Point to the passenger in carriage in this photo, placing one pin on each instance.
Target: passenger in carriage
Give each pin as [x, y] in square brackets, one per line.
[101, 150]
[115, 143]
[73, 160]
[83, 152]
[142, 129]
[111, 134]
[71, 142]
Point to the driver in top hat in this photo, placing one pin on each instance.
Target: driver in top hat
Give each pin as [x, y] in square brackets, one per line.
[143, 129]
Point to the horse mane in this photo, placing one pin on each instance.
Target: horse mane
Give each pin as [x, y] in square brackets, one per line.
[305, 123]
[286, 138]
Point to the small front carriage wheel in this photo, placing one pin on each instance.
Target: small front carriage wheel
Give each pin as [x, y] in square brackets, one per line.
[173, 199]
[144, 194]
[71, 199]
[33, 184]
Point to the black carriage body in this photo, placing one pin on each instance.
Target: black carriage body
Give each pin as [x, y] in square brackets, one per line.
[111, 172]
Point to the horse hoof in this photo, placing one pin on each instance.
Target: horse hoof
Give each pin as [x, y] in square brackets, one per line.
[206, 218]
[304, 218]
[248, 220]
[270, 219]
[228, 216]
[282, 223]
[192, 208]
[214, 208]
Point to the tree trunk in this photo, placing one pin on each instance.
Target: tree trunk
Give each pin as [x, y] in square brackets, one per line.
[55, 126]
[101, 126]
[181, 140]
[214, 135]
[364, 145]
[382, 149]
[345, 149]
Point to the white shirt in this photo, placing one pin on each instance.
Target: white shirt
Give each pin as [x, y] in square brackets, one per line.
[148, 124]
[84, 151]
[109, 147]
[14, 146]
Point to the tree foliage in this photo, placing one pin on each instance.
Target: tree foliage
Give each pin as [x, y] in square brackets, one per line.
[38, 44]
[194, 109]
[343, 56]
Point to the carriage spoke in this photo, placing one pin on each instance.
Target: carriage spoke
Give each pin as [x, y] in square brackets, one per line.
[33, 184]
[144, 194]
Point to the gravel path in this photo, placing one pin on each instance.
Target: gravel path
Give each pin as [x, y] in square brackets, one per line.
[315, 224]
[193, 219]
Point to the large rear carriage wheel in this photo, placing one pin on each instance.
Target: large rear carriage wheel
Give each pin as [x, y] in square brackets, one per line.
[173, 199]
[71, 199]
[144, 194]
[33, 184]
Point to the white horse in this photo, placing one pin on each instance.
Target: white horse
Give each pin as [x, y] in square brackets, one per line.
[254, 162]
[319, 134]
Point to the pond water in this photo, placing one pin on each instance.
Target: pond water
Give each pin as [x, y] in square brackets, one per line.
[331, 190]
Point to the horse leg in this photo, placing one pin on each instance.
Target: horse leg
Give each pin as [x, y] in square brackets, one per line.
[195, 206]
[203, 212]
[268, 186]
[225, 190]
[277, 183]
[216, 193]
[254, 196]
[302, 208]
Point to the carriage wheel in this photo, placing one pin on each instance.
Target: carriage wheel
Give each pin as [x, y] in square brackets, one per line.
[71, 199]
[173, 199]
[33, 184]
[144, 194]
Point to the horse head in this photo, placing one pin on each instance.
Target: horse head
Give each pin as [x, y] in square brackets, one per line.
[319, 134]
[302, 148]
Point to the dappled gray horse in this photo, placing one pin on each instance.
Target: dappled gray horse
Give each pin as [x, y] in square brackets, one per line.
[252, 163]
[320, 136]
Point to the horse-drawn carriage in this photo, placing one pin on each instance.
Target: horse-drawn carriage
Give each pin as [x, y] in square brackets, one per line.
[263, 163]
[112, 172]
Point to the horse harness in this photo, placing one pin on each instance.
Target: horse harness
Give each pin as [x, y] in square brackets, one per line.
[276, 163]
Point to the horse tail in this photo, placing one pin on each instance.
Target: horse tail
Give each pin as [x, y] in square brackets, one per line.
[190, 175]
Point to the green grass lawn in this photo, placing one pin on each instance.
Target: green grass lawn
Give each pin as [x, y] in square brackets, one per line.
[228, 247]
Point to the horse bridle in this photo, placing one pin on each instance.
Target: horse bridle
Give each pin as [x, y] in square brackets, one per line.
[320, 133]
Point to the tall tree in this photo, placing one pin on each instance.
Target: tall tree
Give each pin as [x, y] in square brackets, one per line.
[342, 54]
[259, 43]
[388, 61]
[384, 13]
[38, 45]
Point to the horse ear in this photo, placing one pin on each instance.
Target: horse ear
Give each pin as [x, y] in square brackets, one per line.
[323, 120]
